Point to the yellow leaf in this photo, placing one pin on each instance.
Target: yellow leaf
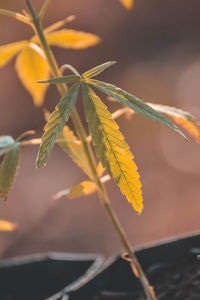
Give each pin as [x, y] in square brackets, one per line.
[32, 67]
[128, 4]
[72, 39]
[189, 126]
[84, 188]
[112, 149]
[8, 51]
[7, 226]
[75, 150]
[100, 169]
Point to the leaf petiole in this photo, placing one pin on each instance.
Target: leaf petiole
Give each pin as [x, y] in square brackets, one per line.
[15, 15]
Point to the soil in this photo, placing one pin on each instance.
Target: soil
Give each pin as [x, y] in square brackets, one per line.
[170, 283]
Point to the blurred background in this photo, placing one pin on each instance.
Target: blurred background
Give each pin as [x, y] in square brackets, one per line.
[157, 47]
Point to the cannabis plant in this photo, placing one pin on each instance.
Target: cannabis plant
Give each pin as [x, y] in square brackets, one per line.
[112, 150]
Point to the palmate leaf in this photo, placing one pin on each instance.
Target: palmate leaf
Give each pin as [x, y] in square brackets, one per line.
[31, 66]
[56, 123]
[8, 170]
[111, 148]
[132, 102]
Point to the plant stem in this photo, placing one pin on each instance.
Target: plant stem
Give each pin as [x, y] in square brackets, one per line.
[15, 15]
[44, 8]
[137, 269]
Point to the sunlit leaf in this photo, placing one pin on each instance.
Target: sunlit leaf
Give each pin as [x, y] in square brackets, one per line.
[8, 170]
[180, 117]
[100, 169]
[56, 123]
[111, 148]
[189, 126]
[7, 225]
[97, 70]
[7, 52]
[172, 111]
[31, 66]
[128, 4]
[75, 150]
[6, 142]
[72, 39]
[132, 102]
[62, 79]
[84, 188]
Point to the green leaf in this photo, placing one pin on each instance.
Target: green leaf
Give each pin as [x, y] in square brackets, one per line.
[56, 123]
[172, 111]
[84, 188]
[97, 70]
[8, 170]
[62, 79]
[75, 150]
[132, 102]
[111, 148]
[6, 141]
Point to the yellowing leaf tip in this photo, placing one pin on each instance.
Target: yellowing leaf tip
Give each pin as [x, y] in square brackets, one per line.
[7, 225]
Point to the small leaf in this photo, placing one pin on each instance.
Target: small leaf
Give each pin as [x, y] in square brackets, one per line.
[56, 123]
[111, 148]
[7, 52]
[128, 4]
[132, 102]
[62, 79]
[100, 169]
[97, 70]
[31, 66]
[189, 126]
[180, 117]
[73, 147]
[8, 170]
[84, 188]
[72, 39]
[75, 150]
[6, 141]
[172, 111]
[7, 226]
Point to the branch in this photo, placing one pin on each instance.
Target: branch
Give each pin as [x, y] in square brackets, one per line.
[15, 15]
[44, 8]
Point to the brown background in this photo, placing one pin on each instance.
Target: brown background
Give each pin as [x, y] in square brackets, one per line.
[157, 46]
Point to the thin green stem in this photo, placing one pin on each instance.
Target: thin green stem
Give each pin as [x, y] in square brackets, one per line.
[82, 135]
[136, 267]
[44, 8]
[15, 15]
